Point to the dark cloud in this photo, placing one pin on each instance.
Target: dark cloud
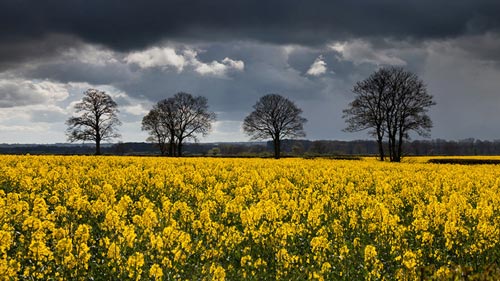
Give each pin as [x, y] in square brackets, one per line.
[233, 52]
[485, 47]
[125, 25]
[266, 70]
[80, 72]
[16, 51]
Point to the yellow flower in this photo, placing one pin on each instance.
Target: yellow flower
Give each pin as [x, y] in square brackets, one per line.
[410, 260]
[82, 233]
[39, 251]
[156, 272]
[218, 272]
[64, 246]
[325, 267]
[134, 265]
[370, 253]
[5, 241]
[114, 252]
[112, 221]
[284, 219]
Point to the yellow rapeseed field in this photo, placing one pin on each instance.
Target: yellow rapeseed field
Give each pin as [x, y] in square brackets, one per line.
[102, 218]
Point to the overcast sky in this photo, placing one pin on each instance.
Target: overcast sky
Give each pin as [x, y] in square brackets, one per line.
[234, 52]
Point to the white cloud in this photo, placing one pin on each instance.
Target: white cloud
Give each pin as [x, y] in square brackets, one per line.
[126, 103]
[166, 57]
[21, 92]
[234, 64]
[359, 51]
[91, 54]
[22, 128]
[226, 131]
[137, 110]
[288, 49]
[52, 91]
[219, 69]
[31, 117]
[157, 57]
[318, 67]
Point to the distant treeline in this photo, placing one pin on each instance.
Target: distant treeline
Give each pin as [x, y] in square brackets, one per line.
[265, 149]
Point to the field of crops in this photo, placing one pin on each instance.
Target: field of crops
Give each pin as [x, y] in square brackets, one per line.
[199, 218]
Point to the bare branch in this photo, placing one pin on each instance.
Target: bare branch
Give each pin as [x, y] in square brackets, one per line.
[391, 102]
[179, 117]
[98, 120]
[274, 117]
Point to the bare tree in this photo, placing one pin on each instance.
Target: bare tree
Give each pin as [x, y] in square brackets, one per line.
[176, 119]
[391, 102]
[153, 124]
[97, 119]
[191, 116]
[168, 113]
[406, 110]
[275, 117]
[366, 111]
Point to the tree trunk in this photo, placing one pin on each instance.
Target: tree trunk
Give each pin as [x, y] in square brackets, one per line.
[179, 149]
[395, 157]
[98, 147]
[400, 147]
[277, 148]
[163, 148]
[391, 155]
[171, 148]
[381, 148]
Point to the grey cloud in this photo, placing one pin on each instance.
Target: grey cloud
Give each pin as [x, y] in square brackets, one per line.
[268, 69]
[452, 68]
[302, 58]
[260, 61]
[74, 71]
[466, 92]
[18, 92]
[11, 95]
[485, 47]
[47, 115]
[18, 51]
[136, 24]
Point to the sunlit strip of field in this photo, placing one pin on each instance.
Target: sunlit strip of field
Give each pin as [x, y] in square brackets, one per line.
[426, 159]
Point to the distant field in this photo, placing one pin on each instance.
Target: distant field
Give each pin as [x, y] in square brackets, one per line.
[64, 217]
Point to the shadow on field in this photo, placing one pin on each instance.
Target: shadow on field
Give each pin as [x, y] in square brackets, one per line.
[464, 161]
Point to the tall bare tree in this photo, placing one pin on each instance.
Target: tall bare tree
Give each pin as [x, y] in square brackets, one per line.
[96, 121]
[152, 123]
[176, 119]
[168, 114]
[191, 116]
[366, 111]
[275, 117]
[391, 102]
[406, 110]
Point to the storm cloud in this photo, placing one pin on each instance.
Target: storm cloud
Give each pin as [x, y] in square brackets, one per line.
[126, 25]
[233, 52]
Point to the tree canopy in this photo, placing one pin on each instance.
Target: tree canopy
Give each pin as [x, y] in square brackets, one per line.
[175, 119]
[275, 117]
[96, 120]
[391, 103]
